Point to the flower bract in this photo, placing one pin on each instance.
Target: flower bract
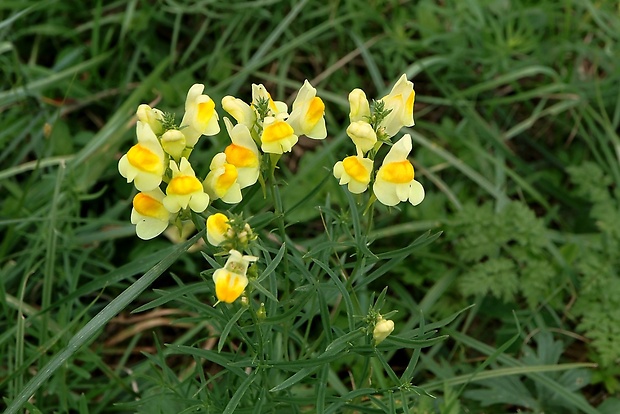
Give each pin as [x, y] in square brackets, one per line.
[275, 107]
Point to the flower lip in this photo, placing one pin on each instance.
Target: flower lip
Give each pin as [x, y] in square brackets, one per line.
[242, 153]
[149, 206]
[144, 163]
[278, 136]
[184, 185]
[355, 172]
[229, 285]
[205, 111]
[200, 117]
[184, 189]
[221, 182]
[217, 228]
[398, 172]
[277, 131]
[354, 167]
[240, 156]
[231, 280]
[143, 158]
[226, 179]
[315, 110]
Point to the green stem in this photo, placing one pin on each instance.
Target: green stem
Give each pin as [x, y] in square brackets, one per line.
[279, 210]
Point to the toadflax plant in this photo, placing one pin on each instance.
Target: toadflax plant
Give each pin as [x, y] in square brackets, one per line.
[298, 329]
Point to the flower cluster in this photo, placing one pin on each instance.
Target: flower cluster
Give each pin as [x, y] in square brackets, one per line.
[229, 233]
[168, 188]
[263, 127]
[369, 129]
[161, 156]
[269, 125]
[163, 148]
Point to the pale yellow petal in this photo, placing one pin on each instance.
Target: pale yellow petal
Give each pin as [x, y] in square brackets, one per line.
[416, 193]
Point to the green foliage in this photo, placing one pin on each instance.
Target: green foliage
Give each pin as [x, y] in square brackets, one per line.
[514, 391]
[504, 253]
[597, 264]
[516, 138]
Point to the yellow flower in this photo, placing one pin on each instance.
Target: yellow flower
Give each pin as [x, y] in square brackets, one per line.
[221, 182]
[362, 135]
[394, 182]
[173, 142]
[275, 107]
[383, 328]
[149, 214]
[144, 163]
[355, 172]
[231, 280]
[307, 115]
[400, 101]
[241, 111]
[218, 228]
[200, 117]
[151, 116]
[184, 189]
[360, 109]
[277, 136]
[242, 153]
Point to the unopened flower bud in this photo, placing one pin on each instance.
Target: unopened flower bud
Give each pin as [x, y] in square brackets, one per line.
[383, 328]
[261, 313]
[151, 116]
[173, 142]
[360, 109]
[243, 237]
[362, 135]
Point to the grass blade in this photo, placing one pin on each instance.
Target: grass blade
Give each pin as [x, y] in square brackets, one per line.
[88, 332]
